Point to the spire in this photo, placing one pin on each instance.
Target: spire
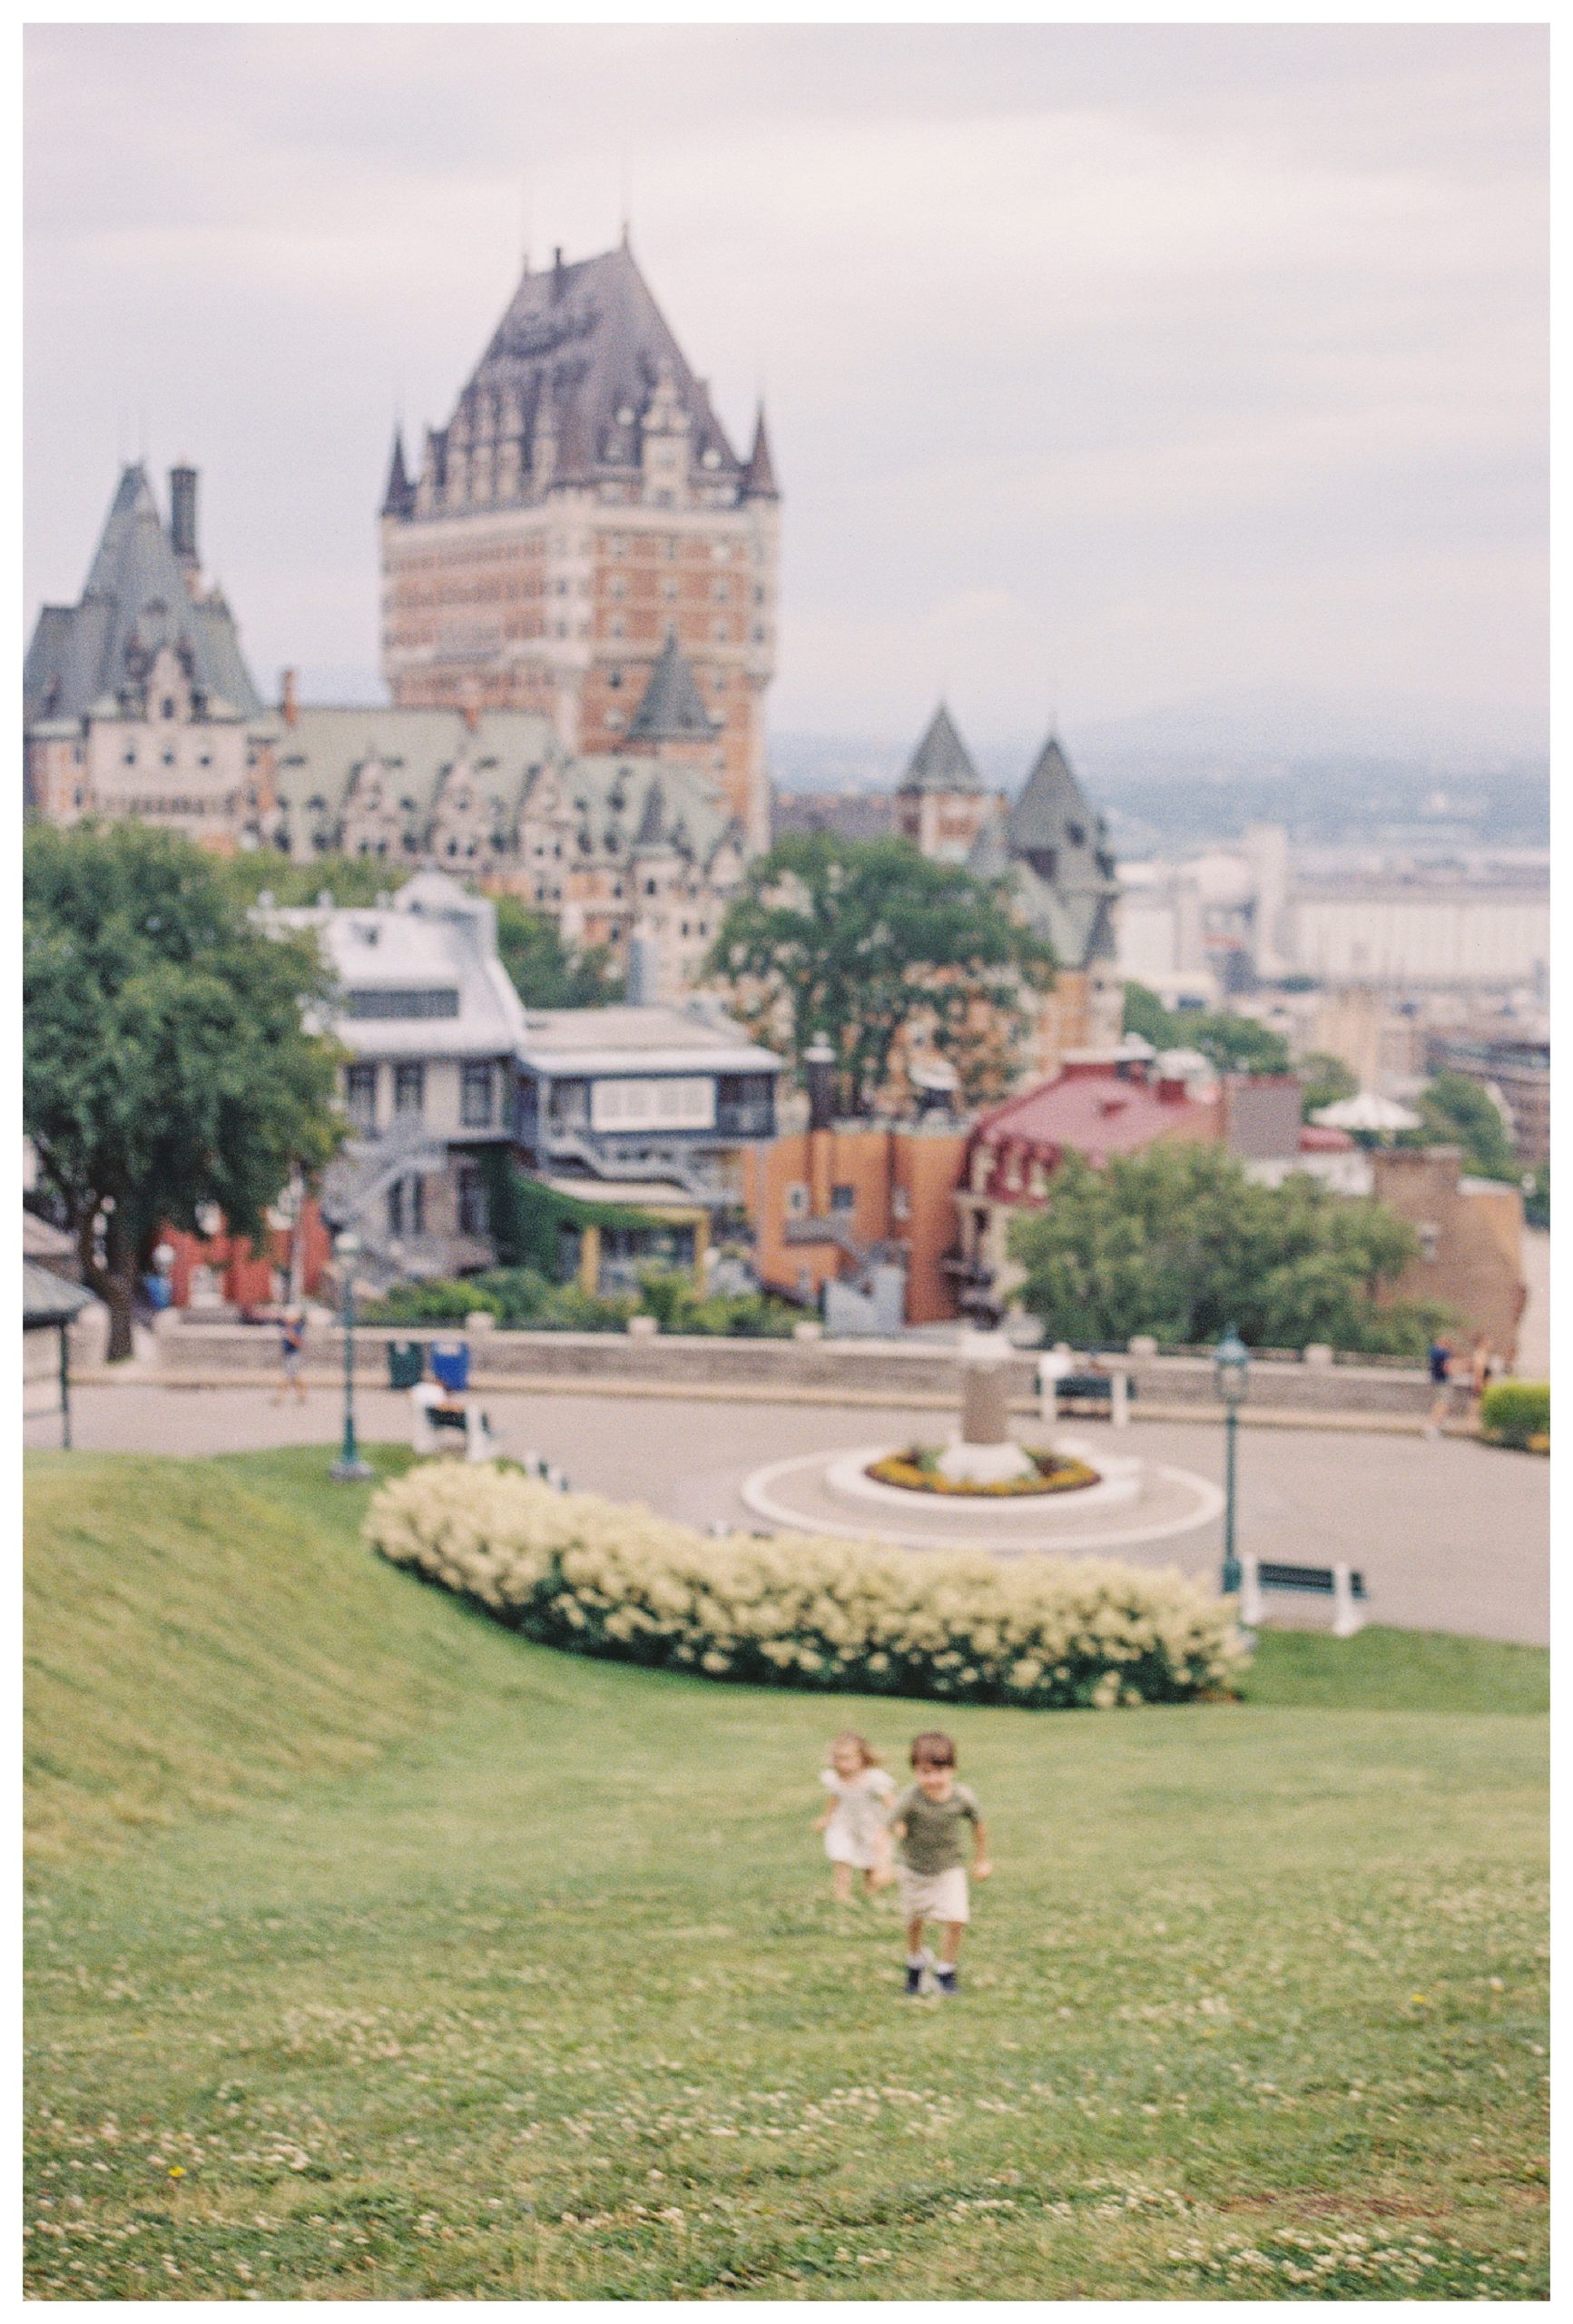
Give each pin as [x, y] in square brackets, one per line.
[672, 710]
[941, 762]
[652, 831]
[399, 499]
[759, 478]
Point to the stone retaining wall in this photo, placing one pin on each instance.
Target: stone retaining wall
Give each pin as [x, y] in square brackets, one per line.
[896, 1372]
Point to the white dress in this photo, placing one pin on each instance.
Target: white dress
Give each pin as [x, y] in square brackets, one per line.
[862, 1804]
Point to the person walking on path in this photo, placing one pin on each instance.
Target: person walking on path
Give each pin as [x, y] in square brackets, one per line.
[926, 1824]
[854, 1821]
[1439, 1363]
[291, 1354]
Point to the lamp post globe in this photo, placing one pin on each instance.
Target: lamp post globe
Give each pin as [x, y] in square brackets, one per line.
[1232, 1365]
[350, 1468]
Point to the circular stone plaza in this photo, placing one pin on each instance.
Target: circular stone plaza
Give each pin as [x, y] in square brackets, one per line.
[1450, 1534]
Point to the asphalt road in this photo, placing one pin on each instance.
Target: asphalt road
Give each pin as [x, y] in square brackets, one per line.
[1451, 1535]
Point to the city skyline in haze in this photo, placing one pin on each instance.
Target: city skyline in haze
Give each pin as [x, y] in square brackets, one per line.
[1107, 369]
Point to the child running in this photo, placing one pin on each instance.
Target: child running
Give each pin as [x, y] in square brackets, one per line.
[926, 1822]
[854, 1821]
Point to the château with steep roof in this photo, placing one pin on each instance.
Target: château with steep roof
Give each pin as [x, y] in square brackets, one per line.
[583, 507]
[137, 700]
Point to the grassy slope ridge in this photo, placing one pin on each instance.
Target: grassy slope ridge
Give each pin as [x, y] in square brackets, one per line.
[196, 1635]
[512, 1976]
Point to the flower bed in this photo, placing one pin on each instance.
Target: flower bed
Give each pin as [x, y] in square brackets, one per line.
[573, 1571]
[917, 1471]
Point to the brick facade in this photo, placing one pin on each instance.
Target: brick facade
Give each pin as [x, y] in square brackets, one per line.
[582, 506]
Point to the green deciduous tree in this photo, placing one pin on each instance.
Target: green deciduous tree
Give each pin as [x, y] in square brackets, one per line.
[1233, 1044]
[1456, 1111]
[166, 1063]
[1328, 1081]
[862, 939]
[546, 974]
[1178, 1241]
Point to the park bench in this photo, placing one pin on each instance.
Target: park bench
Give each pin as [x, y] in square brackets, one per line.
[1342, 1583]
[1094, 1393]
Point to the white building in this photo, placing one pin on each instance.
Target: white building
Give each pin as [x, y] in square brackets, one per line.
[433, 1026]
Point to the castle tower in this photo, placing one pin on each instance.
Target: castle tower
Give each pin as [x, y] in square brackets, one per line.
[941, 803]
[583, 503]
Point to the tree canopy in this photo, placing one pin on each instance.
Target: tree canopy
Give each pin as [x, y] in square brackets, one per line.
[166, 1063]
[1328, 1081]
[864, 941]
[1455, 1110]
[1178, 1241]
[1232, 1043]
[545, 972]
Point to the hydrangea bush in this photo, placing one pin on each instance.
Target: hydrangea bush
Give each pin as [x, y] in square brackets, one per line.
[574, 1572]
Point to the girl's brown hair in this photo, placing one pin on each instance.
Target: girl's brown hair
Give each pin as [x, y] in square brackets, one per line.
[861, 1743]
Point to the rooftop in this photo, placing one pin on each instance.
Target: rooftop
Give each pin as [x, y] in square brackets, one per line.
[1095, 1110]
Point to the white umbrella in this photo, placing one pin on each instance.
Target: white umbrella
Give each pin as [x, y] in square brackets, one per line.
[1368, 1111]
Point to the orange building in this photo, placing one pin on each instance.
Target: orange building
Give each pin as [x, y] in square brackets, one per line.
[828, 1203]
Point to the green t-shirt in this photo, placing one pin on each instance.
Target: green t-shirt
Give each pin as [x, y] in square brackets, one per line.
[933, 1841]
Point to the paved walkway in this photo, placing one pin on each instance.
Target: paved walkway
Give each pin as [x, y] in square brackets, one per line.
[1451, 1535]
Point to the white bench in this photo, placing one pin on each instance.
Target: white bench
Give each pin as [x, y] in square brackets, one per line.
[1342, 1583]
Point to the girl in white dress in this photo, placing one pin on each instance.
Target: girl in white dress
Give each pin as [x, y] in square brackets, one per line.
[854, 1819]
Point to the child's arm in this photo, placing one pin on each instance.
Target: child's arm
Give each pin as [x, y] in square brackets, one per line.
[822, 1822]
[981, 1868]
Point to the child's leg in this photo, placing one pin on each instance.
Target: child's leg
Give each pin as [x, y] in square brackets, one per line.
[914, 1938]
[841, 1883]
[951, 1942]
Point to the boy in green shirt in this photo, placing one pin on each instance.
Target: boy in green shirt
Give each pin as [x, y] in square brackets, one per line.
[926, 1824]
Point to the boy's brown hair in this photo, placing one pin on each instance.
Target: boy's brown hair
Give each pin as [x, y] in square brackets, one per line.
[932, 1749]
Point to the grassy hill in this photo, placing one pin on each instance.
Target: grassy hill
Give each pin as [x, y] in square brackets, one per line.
[376, 1954]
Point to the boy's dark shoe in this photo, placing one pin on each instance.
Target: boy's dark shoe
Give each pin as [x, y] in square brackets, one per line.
[915, 1980]
[948, 1981]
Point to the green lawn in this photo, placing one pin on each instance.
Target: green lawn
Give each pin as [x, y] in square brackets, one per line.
[374, 1954]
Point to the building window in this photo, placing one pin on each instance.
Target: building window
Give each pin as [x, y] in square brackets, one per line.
[360, 1095]
[475, 1097]
[410, 1088]
[843, 1199]
[473, 1211]
[673, 1102]
[412, 1002]
[1430, 1235]
[797, 1200]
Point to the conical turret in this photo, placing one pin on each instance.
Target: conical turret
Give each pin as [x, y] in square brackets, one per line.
[398, 500]
[759, 476]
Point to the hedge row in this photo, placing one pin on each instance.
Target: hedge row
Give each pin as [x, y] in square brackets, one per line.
[1516, 1412]
[573, 1571]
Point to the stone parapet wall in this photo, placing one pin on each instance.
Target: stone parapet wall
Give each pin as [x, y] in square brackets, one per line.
[892, 1372]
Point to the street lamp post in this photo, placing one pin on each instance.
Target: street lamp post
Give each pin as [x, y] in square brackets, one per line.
[350, 1468]
[1232, 1361]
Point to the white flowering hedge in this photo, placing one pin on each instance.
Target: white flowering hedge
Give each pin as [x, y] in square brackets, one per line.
[575, 1572]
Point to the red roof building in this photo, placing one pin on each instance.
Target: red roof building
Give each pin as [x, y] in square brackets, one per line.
[1100, 1108]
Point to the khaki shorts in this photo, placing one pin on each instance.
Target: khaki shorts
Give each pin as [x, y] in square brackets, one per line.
[933, 1895]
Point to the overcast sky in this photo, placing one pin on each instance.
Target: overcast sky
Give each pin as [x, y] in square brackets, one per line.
[1107, 368]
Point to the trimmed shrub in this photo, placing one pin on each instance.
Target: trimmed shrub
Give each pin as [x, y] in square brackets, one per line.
[574, 1572]
[1516, 1412]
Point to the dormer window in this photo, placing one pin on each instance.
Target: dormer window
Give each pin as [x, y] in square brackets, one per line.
[167, 707]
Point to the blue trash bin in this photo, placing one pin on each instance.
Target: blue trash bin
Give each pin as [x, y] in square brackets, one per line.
[450, 1365]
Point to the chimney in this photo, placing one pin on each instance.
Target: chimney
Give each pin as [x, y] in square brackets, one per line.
[642, 975]
[557, 272]
[820, 1060]
[288, 707]
[184, 513]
